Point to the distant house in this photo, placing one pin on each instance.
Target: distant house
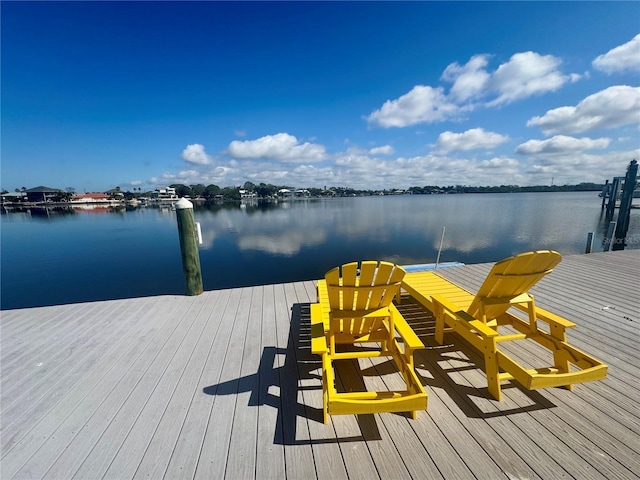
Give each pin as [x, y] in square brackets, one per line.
[285, 193]
[13, 197]
[91, 198]
[246, 195]
[115, 193]
[164, 194]
[42, 194]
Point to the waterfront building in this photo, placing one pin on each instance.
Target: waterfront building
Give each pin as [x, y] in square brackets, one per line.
[164, 194]
[42, 194]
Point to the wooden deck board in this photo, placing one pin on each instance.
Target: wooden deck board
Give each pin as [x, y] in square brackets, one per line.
[24, 434]
[223, 385]
[270, 453]
[186, 454]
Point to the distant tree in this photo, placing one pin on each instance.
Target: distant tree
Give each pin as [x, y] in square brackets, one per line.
[263, 190]
[211, 191]
[198, 190]
[249, 186]
[231, 193]
[182, 190]
[61, 196]
[71, 190]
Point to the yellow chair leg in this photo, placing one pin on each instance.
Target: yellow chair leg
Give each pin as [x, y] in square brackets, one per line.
[562, 363]
[491, 367]
[439, 314]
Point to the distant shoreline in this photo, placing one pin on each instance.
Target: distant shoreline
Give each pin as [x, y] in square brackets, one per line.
[145, 202]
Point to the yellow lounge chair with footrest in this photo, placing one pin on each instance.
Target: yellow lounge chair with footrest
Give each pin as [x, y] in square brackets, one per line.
[477, 319]
[355, 310]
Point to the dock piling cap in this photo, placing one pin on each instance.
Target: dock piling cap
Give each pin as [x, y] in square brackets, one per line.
[183, 203]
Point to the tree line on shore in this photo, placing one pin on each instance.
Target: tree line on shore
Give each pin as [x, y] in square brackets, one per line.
[264, 190]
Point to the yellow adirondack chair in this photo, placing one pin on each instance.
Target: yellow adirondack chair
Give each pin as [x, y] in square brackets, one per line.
[354, 308]
[478, 318]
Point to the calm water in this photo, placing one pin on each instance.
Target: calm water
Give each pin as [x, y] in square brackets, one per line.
[54, 258]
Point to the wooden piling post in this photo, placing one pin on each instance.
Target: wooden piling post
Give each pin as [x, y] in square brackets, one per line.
[605, 192]
[189, 247]
[589, 242]
[624, 213]
[608, 240]
[613, 197]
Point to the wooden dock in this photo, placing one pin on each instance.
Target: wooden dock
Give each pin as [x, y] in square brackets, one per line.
[223, 385]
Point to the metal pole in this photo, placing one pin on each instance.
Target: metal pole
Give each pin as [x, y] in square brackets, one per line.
[440, 247]
[189, 247]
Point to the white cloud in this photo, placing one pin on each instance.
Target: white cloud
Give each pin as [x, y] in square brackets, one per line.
[561, 144]
[423, 104]
[621, 58]
[195, 154]
[135, 183]
[475, 138]
[566, 159]
[282, 146]
[525, 74]
[591, 168]
[468, 80]
[385, 150]
[505, 164]
[609, 108]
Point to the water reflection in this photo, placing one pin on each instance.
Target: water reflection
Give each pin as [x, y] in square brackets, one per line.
[80, 255]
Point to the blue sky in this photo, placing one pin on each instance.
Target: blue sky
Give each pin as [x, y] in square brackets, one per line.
[365, 95]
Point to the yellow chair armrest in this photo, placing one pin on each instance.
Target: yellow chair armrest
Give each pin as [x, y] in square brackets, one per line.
[465, 319]
[318, 338]
[409, 337]
[552, 318]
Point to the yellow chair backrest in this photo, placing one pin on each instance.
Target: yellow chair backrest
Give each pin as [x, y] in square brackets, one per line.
[509, 279]
[356, 291]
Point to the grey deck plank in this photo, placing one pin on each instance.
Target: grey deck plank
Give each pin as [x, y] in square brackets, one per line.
[64, 353]
[270, 455]
[299, 461]
[326, 451]
[14, 330]
[215, 450]
[163, 443]
[64, 393]
[150, 411]
[45, 345]
[533, 441]
[241, 459]
[189, 446]
[113, 417]
[47, 436]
